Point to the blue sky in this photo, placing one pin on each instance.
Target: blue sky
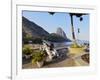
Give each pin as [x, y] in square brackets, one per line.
[51, 22]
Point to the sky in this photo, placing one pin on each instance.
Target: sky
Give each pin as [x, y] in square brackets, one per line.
[60, 19]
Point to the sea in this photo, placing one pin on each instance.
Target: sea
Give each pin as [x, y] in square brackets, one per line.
[80, 42]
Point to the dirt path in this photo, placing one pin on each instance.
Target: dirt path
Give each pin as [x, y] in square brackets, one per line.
[66, 62]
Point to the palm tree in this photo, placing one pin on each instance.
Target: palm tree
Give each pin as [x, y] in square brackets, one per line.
[72, 27]
[79, 15]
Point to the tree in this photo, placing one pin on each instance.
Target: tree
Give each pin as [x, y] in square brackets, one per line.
[79, 15]
[27, 38]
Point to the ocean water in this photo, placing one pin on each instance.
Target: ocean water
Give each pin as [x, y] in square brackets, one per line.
[81, 42]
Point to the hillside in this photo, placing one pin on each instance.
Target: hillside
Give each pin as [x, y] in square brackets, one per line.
[35, 33]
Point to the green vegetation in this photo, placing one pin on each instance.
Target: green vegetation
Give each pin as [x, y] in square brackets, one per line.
[55, 38]
[27, 38]
[27, 50]
[37, 40]
[38, 56]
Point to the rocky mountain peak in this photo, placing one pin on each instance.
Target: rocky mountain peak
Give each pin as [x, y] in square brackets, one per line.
[61, 32]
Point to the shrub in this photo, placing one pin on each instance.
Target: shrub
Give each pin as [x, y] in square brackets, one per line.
[27, 50]
[38, 56]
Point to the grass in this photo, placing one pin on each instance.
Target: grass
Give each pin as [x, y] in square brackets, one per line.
[76, 49]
